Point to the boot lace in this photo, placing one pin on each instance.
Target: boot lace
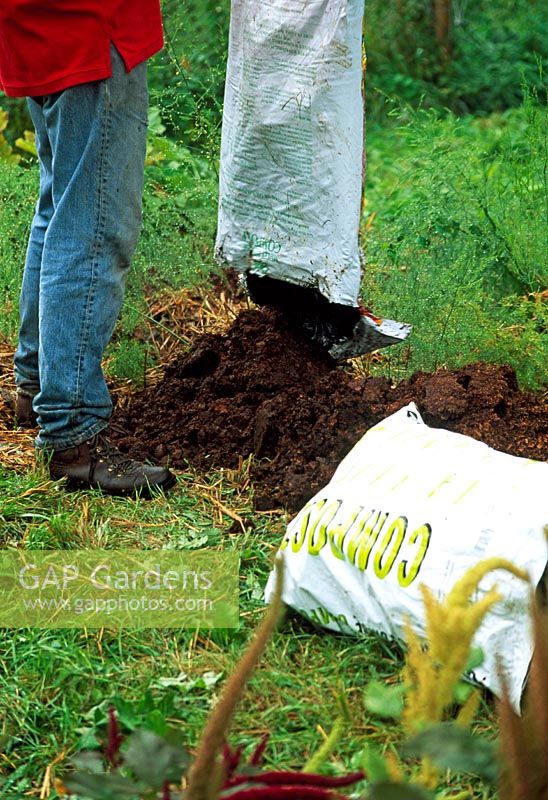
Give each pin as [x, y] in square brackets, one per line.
[108, 453]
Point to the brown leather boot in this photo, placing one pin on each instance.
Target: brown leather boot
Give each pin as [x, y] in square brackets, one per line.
[21, 405]
[98, 464]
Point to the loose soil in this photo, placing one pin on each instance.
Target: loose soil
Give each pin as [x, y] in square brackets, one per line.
[262, 389]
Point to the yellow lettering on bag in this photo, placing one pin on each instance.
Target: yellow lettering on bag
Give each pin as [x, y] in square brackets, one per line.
[395, 532]
[299, 536]
[421, 536]
[317, 533]
[338, 533]
[361, 528]
[364, 536]
[368, 541]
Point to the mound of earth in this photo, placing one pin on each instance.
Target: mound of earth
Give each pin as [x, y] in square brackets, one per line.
[261, 389]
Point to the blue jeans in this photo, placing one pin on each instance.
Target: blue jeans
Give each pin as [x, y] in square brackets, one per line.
[91, 142]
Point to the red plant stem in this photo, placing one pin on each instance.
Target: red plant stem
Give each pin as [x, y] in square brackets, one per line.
[293, 779]
[114, 738]
[231, 759]
[257, 755]
[202, 774]
[286, 793]
[166, 793]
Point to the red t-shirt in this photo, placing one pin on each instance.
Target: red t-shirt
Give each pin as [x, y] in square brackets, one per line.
[48, 45]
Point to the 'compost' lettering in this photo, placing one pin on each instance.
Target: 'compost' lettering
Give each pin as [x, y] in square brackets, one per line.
[356, 538]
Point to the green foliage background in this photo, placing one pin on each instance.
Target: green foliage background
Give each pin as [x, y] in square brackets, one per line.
[497, 47]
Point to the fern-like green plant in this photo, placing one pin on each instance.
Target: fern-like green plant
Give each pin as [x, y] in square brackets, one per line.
[6, 150]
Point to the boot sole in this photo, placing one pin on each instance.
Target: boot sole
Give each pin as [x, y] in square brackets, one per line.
[146, 492]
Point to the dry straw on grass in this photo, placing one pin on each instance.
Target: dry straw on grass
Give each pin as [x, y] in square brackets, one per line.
[16, 446]
[172, 322]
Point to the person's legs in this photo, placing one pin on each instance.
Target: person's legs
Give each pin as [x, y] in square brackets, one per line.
[91, 144]
[26, 356]
[97, 135]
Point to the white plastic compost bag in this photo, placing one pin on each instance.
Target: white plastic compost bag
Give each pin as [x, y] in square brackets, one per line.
[409, 505]
[292, 143]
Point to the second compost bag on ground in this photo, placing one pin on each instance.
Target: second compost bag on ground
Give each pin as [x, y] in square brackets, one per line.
[409, 505]
[292, 143]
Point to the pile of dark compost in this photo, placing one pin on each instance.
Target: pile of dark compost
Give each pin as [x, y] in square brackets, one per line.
[262, 389]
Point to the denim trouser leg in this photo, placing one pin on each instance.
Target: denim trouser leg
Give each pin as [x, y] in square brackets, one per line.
[26, 357]
[90, 203]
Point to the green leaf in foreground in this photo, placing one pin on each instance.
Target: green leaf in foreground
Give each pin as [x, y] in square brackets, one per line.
[475, 659]
[102, 787]
[373, 764]
[154, 760]
[454, 748]
[90, 761]
[386, 790]
[384, 701]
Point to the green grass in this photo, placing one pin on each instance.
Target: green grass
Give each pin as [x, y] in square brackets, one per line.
[18, 190]
[50, 682]
[56, 685]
